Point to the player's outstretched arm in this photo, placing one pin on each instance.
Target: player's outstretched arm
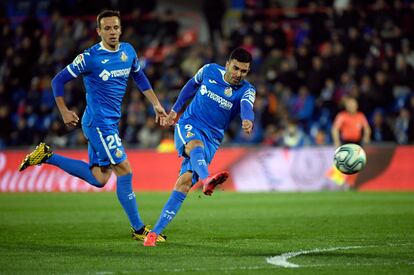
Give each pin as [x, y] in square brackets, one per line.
[246, 110]
[335, 136]
[366, 138]
[160, 113]
[171, 118]
[188, 91]
[144, 85]
[335, 130]
[69, 117]
[247, 126]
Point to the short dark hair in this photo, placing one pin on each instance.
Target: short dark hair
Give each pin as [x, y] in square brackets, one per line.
[107, 13]
[241, 55]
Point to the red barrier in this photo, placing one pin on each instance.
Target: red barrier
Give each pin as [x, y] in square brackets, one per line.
[153, 171]
[397, 176]
[261, 169]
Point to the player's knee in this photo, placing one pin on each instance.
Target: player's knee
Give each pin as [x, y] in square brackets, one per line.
[184, 183]
[102, 180]
[101, 175]
[192, 144]
[183, 188]
[122, 168]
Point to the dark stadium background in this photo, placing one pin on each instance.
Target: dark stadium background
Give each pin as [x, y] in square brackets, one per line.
[308, 55]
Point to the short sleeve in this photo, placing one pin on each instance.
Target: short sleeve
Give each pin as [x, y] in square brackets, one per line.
[338, 121]
[198, 77]
[135, 63]
[81, 64]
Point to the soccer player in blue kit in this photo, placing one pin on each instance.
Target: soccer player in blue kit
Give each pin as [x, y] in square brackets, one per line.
[105, 67]
[218, 94]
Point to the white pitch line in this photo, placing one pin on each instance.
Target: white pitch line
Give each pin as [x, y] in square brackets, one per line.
[283, 259]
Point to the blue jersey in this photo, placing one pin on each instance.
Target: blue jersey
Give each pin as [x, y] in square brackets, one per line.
[216, 102]
[105, 76]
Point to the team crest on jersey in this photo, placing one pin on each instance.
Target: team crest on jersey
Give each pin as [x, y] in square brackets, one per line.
[228, 91]
[118, 153]
[189, 134]
[124, 57]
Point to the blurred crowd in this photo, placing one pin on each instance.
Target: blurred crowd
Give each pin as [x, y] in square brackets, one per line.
[306, 60]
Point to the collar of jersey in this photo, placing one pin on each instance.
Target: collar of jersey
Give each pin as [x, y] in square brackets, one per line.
[101, 47]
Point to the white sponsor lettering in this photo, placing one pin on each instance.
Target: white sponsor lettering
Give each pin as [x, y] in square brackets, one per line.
[37, 179]
[225, 104]
[104, 75]
[121, 72]
[2, 161]
[5, 182]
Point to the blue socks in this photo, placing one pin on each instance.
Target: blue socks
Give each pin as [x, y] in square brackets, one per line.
[127, 199]
[74, 167]
[124, 191]
[198, 162]
[170, 210]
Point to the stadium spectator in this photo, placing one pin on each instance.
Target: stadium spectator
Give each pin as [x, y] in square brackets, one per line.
[214, 12]
[293, 136]
[403, 128]
[368, 43]
[271, 136]
[381, 131]
[6, 125]
[149, 135]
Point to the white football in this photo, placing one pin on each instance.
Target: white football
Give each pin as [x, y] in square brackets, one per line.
[350, 158]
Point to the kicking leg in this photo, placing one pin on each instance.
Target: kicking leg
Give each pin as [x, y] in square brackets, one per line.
[195, 149]
[171, 208]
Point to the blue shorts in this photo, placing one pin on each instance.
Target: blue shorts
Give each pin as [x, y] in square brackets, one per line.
[183, 134]
[104, 145]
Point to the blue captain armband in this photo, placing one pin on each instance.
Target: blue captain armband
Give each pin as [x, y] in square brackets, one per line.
[59, 81]
[246, 110]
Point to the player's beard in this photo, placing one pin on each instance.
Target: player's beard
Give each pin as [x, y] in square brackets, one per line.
[235, 80]
[232, 80]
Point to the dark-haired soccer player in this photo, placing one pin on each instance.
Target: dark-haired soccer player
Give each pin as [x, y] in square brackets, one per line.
[105, 68]
[218, 94]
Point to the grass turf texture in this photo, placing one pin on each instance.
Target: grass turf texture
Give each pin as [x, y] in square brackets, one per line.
[87, 233]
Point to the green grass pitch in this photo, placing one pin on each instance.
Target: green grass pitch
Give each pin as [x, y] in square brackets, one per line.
[235, 233]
